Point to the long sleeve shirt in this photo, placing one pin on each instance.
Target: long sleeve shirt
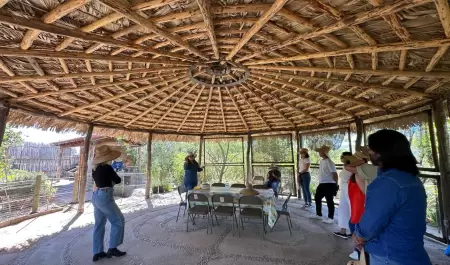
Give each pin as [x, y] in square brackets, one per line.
[393, 223]
[104, 176]
[190, 172]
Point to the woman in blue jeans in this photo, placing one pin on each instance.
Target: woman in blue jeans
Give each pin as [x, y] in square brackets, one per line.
[393, 224]
[304, 177]
[105, 208]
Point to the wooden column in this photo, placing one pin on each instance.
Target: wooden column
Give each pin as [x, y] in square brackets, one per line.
[36, 193]
[83, 168]
[148, 185]
[297, 169]
[200, 152]
[349, 134]
[4, 112]
[359, 133]
[59, 161]
[76, 181]
[249, 161]
[440, 119]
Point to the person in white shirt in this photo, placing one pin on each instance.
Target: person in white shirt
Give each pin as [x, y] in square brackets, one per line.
[304, 178]
[328, 187]
[344, 201]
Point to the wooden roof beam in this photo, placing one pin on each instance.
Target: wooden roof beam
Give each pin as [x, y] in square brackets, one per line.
[9, 72]
[12, 52]
[356, 19]
[204, 6]
[390, 47]
[129, 92]
[55, 14]
[175, 105]
[190, 110]
[377, 72]
[251, 106]
[238, 110]
[145, 4]
[124, 8]
[221, 109]
[323, 93]
[206, 110]
[160, 101]
[89, 74]
[298, 96]
[346, 83]
[72, 34]
[277, 5]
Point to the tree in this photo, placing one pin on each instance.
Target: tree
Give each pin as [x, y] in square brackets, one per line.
[10, 138]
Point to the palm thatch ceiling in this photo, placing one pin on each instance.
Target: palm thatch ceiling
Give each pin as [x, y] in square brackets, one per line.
[224, 66]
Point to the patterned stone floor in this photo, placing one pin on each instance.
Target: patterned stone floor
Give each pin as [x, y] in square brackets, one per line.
[154, 237]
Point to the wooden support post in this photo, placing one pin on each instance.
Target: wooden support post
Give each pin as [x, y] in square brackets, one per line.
[76, 181]
[349, 134]
[4, 112]
[359, 133]
[200, 152]
[83, 168]
[434, 148]
[440, 119]
[297, 168]
[148, 185]
[59, 161]
[249, 161]
[37, 191]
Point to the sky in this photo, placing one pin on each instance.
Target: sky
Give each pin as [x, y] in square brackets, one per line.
[40, 136]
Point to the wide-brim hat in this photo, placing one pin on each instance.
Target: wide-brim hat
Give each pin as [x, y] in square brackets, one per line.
[105, 154]
[361, 156]
[191, 154]
[351, 159]
[304, 151]
[323, 148]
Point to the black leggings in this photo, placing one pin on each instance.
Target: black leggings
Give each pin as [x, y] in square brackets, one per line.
[327, 190]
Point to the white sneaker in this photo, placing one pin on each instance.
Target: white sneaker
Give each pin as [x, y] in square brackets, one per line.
[315, 217]
[354, 255]
[328, 220]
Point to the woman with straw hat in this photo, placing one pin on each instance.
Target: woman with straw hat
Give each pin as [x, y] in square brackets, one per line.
[105, 208]
[304, 177]
[191, 169]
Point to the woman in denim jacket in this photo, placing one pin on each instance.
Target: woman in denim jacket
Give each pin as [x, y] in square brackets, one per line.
[393, 224]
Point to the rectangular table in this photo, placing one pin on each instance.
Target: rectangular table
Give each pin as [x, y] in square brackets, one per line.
[266, 195]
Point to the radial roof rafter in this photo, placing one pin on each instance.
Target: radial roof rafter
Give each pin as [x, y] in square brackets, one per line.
[203, 67]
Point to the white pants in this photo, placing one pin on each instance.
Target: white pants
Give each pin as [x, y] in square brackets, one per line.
[344, 207]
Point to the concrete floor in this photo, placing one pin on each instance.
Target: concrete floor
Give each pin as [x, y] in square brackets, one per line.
[153, 237]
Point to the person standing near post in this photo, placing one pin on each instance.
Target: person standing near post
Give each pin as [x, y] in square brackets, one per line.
[393, 224]
[328, 187]
[191, 169]
[304, 177]
[105, 208]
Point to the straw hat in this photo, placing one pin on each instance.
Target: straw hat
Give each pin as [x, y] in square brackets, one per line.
[190, 153]
[351, 159]
[304, 151]
[323, 148]
[365, 150]
[361, 156]
[104, 154]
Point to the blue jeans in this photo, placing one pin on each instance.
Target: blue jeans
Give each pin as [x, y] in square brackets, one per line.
[305, 181]
[105, 208]
[274, 186]
[377, 260]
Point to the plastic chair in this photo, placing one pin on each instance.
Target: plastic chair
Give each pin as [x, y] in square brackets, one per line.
[238, 185]
[260, 187]
[218, 185]
[223, 205]
[259, 179]
[183, 203]
[284, 211]
[255, 211]
[198, 209]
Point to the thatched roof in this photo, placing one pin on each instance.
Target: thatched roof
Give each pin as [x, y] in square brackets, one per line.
[219, 67]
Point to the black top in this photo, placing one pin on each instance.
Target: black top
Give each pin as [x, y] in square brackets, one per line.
[104, 176]
[275, 172]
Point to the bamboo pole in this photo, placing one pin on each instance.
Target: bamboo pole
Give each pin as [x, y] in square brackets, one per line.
[83, 168]
[297, 169]
[440, 119]
[148, 185]
[359, 133]
[4, 113]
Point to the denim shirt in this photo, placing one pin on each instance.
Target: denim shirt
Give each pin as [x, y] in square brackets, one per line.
[393, 223]
[190, 173]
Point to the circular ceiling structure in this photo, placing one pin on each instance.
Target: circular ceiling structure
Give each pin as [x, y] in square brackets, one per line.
[212, 67]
